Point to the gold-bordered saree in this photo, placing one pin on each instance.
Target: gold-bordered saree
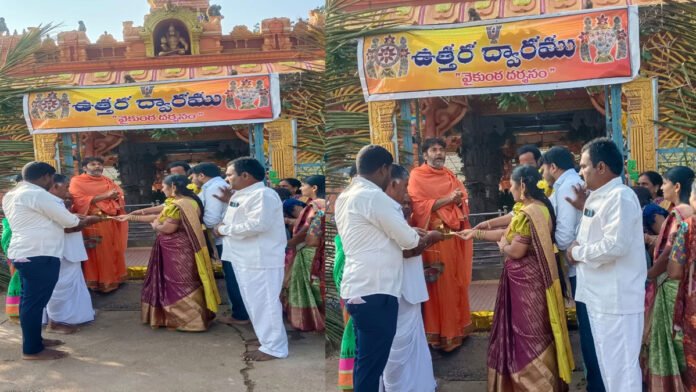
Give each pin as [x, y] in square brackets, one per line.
[529, 346]
[179, 291]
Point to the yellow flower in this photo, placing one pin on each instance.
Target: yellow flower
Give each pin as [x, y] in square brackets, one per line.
[544, 186]
[194, 188]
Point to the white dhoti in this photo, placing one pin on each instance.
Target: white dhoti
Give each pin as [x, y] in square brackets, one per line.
[617, 340]
[260, 289]
[70, 302]
[410, 367]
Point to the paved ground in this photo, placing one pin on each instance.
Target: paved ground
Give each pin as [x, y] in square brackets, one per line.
[117, 353]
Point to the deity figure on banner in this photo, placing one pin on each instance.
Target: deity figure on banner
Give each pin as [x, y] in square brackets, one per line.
[173, 43]
[264, 99]
[229, 101]
[64, 106]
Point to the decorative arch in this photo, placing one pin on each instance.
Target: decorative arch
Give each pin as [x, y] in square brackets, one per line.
[161, 17]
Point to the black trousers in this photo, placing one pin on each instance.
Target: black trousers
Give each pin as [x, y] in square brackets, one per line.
[39, 277]
[237, 308]
[375, 326]
[593, 374]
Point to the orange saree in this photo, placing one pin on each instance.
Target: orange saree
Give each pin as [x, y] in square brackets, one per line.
[106, 241]
[446, 314]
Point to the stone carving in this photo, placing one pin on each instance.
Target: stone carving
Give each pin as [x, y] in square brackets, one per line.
[81, 26]
[276, 34]
[101, 144]
[173, 43]
[441, 115]
[214, 10]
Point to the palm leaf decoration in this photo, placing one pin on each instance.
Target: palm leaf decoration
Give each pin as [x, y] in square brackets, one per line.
[305, 98]
[669, 54]
[15, 142]
[347, 126]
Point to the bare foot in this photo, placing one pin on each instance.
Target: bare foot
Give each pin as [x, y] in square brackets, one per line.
[258, 356]
[231, 321]
[46, 355]
[252, 342]
[52, 342]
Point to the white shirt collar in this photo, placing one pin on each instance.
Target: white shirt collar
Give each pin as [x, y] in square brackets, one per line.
[367, 183]
[211, 182]
[251, 188]
[608, 186]
[566, 174]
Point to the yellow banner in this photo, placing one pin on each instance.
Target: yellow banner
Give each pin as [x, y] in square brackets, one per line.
[545, 52]
[232, 100]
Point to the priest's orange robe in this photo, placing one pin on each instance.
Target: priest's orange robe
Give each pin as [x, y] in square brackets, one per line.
[106, 242]
[447, 264]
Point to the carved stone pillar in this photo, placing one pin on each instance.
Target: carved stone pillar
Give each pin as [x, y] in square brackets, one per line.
[382, 126]
[282, 140]
[640, 109]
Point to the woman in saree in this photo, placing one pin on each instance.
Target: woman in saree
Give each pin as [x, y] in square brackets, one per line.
[179, 291]
[14, 289]
[529, 348]
[685, 305]
[304, 274]
[663, 351]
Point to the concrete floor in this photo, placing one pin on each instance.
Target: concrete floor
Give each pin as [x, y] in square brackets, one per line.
[117, 353]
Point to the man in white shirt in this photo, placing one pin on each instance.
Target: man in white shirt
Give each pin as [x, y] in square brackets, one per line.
[38, 222]
[611, 266]
[254, 240]
[410, 366]
[558, 168]
[207, 178]
[374, 235]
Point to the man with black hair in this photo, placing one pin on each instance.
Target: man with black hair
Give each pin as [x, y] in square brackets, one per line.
[410, 366]
[70, 304]
[558, 169]
[440, 202]
[38, 221]
[207, 177]
[374, 235]
[611, 265]
[254, 241]
[179, 167]
[526, 155]
[184, 169]
[95, 194]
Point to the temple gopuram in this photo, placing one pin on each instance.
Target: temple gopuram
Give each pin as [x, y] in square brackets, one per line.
[178, 40]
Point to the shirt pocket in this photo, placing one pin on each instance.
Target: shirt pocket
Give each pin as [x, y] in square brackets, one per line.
[586, 228]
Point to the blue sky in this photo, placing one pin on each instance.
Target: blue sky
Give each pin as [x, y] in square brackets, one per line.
[108, 15]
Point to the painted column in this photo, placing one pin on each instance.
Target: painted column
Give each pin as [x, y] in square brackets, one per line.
[258, 144]
[382, 130]
[407, 134]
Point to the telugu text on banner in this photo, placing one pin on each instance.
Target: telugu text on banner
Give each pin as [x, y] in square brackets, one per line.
[547, 52]
[195, 103]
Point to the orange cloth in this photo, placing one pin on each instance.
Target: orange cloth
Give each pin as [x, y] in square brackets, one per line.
[446, 314]
[106, 242]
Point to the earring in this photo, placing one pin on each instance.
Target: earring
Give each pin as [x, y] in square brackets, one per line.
[522, 196]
